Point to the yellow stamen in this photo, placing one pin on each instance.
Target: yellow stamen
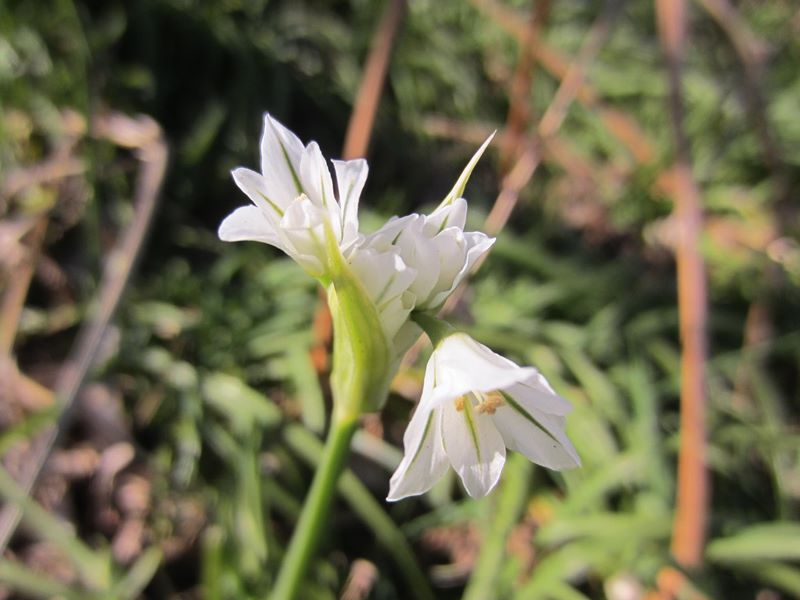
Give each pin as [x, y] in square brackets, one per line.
[460, 403]
[488, 403]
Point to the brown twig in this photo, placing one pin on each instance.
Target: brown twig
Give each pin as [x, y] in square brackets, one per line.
[519, 108]
[13, 300]
[674, 584]
[623, 127]
[362, 119]
[61, 164]
[556, 148]
[145, 135]
[47, 172]
[471, 134]
[12, 303]
[360, 581]
[691, 513]
[551, 121]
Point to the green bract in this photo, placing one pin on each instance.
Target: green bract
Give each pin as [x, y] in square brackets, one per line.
[361, 351]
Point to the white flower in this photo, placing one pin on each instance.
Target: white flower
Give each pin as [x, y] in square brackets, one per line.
[294, 205]
[474, 404]
[435, 246]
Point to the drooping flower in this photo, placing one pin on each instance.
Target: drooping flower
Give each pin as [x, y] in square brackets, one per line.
[475, 404]
[294, 206]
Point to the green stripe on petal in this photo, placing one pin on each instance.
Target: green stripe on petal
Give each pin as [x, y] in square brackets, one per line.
[469, 417]
[425, 433]
[322, 190]
[528, 416]
[272, 204]
[289, 164]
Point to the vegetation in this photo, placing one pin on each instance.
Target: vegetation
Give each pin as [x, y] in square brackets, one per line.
[189, 424]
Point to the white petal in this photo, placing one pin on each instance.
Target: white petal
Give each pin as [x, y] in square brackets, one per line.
[474, 447]
[536, 393]
[477, 244]
[420, 253]
[281, 153]
[447, 215]
[452, 250]
[387, 234]
[395, 312]
[248, 223]
[318, 185]
[255, 186]
[384, 274]
[424, 461]
[461, 365]
[386, 278]
[351, 175]
[302, 228]
[537, 435]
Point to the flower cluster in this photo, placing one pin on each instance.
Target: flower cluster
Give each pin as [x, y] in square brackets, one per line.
[474, 403]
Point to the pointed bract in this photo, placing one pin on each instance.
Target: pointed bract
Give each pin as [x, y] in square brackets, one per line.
[461, 183]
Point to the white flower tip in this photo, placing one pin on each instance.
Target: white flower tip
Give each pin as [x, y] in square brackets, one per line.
[274, 128]
[399, 488]
[239, 174]
[573, 462]
[246, 223]
[269, 119]
[222, 233]
[232, 226]
[354, 163]
[397, 497]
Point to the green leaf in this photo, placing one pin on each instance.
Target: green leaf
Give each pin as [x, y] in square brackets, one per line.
[243, 406]
[139, 575]
[767, 541]
[774, 573]
[306, 383]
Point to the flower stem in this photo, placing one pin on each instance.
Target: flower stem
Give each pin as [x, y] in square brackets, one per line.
[315, 510]
[437, 329]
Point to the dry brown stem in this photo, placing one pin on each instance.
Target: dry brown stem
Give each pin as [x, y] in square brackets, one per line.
[691, 512]
[362, 119]
[622, 126]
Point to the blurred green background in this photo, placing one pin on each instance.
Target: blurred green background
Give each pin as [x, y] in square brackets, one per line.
[181, 470]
